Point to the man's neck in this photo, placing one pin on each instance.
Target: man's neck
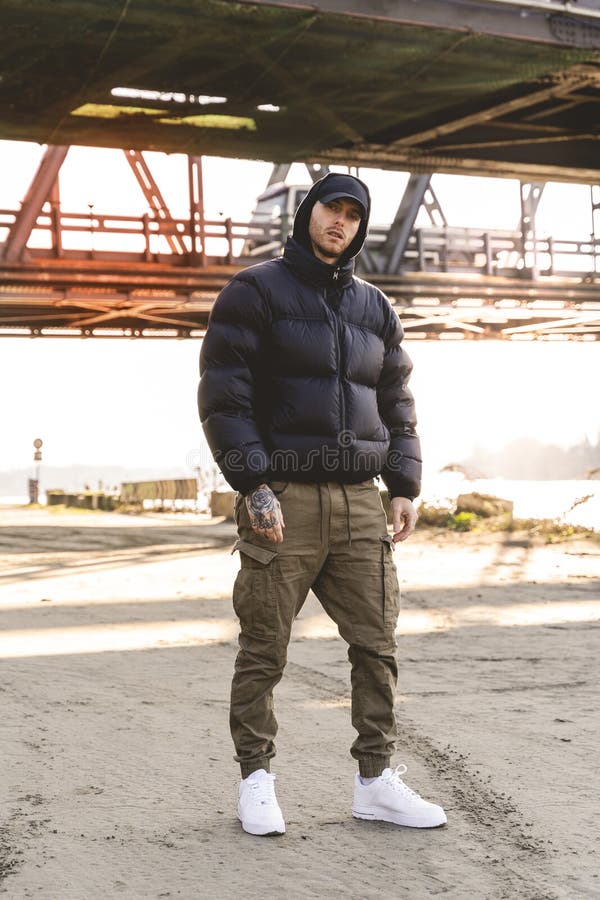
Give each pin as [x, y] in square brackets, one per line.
[329, 260]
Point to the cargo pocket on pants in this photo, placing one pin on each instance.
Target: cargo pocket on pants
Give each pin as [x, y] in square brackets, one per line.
[391, 588]
[254, 598]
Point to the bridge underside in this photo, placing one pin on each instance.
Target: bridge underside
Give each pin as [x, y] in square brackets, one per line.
[430, 86]
[54, 298]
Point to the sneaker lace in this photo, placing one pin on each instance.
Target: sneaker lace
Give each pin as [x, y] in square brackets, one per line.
[396, 783]
[263, 791]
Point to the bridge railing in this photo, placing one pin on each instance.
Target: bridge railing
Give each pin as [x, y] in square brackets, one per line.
[493, 252]
[178, 241]
[63, 234]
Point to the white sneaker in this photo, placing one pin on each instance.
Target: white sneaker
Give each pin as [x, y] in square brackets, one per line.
[388, 799]
[258, 809]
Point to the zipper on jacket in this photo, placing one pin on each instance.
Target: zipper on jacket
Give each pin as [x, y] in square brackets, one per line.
[337, 330]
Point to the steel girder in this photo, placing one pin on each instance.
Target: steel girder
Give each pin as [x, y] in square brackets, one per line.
[58, 298]
[531, 194]
[447, 86]
[41, 187]
[155, 199]
[530, 20]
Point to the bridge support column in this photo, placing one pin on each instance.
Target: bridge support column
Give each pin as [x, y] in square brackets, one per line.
[197, 226]
[54, 198]
[595, 198]
[278, 173]
[531, 194]
[38, 193]
[418, 192]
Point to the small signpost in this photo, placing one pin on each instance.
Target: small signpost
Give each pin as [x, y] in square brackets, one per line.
[34, 483]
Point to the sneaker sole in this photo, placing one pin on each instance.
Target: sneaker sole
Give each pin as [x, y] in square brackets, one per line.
[249, 830]
[377, 815]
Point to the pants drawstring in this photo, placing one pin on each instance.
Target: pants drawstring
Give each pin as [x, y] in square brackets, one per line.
[348, 528]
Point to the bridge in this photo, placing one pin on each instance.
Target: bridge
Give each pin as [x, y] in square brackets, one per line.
[491, 88]
[446, 282]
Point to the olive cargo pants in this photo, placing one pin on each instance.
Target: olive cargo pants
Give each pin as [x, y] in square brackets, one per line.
[335, 542]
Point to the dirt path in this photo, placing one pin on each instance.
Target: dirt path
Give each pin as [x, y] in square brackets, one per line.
[116, 651]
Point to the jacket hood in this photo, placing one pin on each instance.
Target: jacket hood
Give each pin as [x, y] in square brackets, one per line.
[325, 186]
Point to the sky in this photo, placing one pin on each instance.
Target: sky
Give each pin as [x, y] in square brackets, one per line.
[122, 401]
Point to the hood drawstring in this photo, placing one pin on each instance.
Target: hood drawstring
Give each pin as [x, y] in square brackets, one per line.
[348, 528]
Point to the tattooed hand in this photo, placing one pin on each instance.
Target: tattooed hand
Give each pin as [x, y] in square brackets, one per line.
[265, 513]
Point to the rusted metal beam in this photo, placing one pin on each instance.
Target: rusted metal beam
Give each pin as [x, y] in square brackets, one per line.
[155, 199]
[522, 141]
[445, 319]
[556, 325]
[573, 79]
[526, 125]
[54, 200]
[37, 194]
[187, 317]
[572, 101]
[435, 160]
[197, 226]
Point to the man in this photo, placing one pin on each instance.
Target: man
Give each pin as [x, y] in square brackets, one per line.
[304, 400]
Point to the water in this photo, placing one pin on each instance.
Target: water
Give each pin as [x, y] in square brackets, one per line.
[22, 500]
[532, 499]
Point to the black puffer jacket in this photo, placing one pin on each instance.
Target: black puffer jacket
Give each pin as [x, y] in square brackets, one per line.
[304, 377]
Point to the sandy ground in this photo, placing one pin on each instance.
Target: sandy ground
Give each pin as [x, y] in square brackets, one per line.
[117, 779]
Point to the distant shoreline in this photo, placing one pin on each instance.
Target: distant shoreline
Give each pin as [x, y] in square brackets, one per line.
[573, 502]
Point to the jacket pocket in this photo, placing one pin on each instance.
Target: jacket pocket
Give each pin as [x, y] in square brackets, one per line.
[391, 588]
[254, 597]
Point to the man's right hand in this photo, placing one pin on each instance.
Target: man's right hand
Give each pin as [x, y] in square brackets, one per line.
[265, 513]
